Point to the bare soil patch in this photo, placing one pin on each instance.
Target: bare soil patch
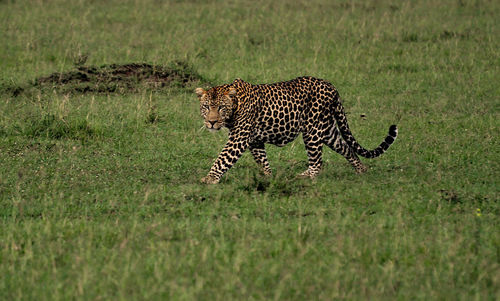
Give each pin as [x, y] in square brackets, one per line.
[115, 78]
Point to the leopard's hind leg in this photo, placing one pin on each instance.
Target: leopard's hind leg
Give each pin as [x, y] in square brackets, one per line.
[259, 154]
[314, 148]
[334, 141]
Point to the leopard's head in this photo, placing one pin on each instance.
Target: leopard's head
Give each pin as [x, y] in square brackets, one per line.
[217, 105]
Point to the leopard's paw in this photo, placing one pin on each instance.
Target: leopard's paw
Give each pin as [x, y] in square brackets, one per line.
[209, 180]
[267, 173]
[361, 169]
[308, 174]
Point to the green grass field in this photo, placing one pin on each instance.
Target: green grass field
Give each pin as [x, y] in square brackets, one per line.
[100, 196]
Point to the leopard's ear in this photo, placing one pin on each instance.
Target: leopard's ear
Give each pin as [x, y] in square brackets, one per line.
[233, 101]
[231, 92]
[200, 92]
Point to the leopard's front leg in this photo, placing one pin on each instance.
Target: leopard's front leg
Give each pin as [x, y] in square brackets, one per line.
[233, 150]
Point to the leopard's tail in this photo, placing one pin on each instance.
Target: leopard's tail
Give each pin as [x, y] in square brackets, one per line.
[351, 141]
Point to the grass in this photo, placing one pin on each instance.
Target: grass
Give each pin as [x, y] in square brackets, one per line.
[100, 195]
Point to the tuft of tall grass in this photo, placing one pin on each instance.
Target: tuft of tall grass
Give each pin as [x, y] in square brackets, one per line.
[52, 127]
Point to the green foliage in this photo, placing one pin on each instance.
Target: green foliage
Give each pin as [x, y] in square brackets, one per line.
[99, 188]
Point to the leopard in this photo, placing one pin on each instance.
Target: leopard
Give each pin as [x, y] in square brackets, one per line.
[260, 114]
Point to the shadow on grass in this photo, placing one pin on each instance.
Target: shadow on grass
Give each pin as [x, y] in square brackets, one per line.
[277, 186]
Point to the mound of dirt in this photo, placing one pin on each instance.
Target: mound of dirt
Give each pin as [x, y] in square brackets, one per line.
[117, 78]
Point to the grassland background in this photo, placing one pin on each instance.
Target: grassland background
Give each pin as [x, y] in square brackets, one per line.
[100, 201]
